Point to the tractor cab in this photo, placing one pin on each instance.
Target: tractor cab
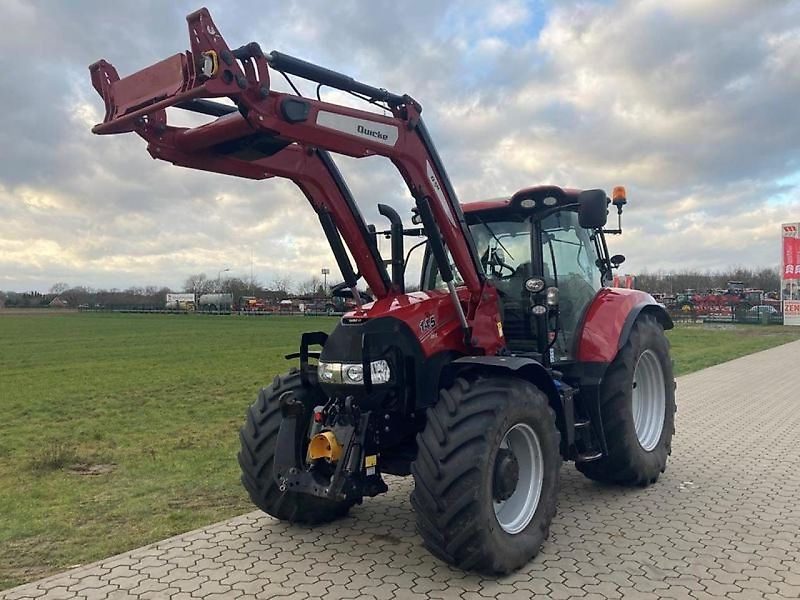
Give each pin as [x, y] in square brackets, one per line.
[544, 251]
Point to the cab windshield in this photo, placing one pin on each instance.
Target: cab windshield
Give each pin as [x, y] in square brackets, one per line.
[509, 254]
[504, 249]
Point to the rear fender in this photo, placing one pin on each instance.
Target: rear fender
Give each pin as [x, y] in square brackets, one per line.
[656, 310]
[609, 319]
[606, 328]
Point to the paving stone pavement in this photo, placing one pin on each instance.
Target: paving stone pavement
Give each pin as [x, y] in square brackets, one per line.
[723, 521]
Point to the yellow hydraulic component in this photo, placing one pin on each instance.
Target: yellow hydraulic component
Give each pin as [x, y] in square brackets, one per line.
[324, 445]
[210, 64]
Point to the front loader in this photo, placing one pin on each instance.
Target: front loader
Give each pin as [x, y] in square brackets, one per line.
[514, 357]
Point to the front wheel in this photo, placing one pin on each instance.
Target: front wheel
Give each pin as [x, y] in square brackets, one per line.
[257, 455]
[637, 406]
[486, 474]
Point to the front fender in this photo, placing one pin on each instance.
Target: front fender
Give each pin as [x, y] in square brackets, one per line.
[523, 367]
[609, 320]
[517, 366]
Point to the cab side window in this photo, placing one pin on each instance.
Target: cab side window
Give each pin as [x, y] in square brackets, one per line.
[569, 256]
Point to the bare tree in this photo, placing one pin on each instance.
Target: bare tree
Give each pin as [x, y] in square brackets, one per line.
[767, 279]
[199, 284]
[236, 287]
[281, 284]
[77, 295]
[253, 285]
[309, 287]
[59, 288]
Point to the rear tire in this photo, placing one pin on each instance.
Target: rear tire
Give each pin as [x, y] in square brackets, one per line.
[468, 510]
[258, 437]
[638, 446]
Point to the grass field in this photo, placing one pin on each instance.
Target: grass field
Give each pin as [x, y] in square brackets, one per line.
[696, 347]
[119, 430]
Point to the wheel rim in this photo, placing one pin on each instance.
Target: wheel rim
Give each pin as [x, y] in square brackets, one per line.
[649, 400]
[515, 514]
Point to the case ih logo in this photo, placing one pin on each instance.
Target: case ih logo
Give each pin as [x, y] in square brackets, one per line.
[789, 229]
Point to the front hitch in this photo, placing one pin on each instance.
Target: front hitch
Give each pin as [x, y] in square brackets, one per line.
[349, 475]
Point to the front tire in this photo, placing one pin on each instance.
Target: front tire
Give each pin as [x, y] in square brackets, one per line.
[486, 474]
[258, 437]
[637, 406]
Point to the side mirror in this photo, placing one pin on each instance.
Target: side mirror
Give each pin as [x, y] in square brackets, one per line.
[592, 209]
[616, 260]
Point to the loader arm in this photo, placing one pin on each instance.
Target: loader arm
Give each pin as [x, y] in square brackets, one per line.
[277, 124]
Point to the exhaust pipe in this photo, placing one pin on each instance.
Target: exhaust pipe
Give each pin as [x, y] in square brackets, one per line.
[396, 230]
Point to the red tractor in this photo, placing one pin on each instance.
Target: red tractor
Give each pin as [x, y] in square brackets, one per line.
[252, 304]
[513, 358]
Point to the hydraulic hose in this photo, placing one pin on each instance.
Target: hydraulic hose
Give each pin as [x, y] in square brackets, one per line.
[296, 66]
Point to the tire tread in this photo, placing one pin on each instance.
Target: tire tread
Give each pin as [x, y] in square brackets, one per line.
[622, 465]
[258, 437]
[447, 471]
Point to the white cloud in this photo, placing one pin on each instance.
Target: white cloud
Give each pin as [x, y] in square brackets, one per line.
[502, 15]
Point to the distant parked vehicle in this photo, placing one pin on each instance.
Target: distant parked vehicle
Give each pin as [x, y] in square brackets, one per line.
[180, 302]
[762, 309]
[253, 304]
[761, 313]
[216, 302]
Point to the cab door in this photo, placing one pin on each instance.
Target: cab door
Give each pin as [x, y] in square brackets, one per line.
[569, 262]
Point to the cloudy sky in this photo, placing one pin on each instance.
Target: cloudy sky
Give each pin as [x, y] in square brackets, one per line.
[692, 104]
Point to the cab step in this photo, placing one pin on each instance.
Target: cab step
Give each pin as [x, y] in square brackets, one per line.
[585, 439]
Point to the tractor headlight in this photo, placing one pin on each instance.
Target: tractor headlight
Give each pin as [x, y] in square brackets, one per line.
[552, 296]
[353, 374]
[329, 372]
[534, 284]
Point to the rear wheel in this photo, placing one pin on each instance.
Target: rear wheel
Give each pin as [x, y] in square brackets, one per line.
[486, 474]
[637, 406]
[256, 457]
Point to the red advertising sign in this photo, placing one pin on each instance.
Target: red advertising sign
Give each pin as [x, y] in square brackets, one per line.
[790, 273]
[791, 253]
